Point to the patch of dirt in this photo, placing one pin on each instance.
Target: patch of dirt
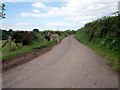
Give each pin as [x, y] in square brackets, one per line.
[23, 58]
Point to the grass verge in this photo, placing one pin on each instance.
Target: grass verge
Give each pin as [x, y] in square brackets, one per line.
[29, 48]
[112, 57]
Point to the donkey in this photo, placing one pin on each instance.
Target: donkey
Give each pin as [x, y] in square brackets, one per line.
[56, 36]
[51, 36]
[47, 37]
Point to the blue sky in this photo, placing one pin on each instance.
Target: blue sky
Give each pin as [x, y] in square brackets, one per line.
[63, 15]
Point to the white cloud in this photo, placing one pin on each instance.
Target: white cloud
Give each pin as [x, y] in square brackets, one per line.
[77, 12]
[11, 0]
[65, 25]
[85, 21]
[38, 5]
[75, 9]
[22, 23]
[36, 11]
[18, 26]
[57, 24]
[32, 1]
[80, 18]
[18, 0]
[45, 15]
[52, 25]
[24, 14]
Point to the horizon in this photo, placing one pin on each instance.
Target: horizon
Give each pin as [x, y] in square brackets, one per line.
[38, 29]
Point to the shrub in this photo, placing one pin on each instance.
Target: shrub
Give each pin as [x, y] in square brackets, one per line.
[103, 35]
[4, 34]
[23, 37]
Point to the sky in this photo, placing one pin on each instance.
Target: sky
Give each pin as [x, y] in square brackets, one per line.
[54, 14]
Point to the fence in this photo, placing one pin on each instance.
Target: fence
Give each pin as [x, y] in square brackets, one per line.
[9, 44]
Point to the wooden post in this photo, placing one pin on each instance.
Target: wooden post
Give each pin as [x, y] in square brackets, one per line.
[4, 44]
[9, 43]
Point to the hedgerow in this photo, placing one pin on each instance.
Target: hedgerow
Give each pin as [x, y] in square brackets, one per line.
[103, 34]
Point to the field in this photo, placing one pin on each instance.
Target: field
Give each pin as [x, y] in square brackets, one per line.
[21, 49]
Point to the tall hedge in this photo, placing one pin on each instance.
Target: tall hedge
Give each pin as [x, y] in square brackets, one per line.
[105, 32]
[23, 37]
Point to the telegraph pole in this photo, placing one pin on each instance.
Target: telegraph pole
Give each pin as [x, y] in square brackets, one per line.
[119, 8]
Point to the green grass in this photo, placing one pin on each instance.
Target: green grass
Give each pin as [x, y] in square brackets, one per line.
[102, 36]
[38, 45]
[110, 55]
[24, 49]
[5, 47]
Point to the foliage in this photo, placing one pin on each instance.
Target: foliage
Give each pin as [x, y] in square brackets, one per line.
[10, 30]
[2, 14]
[102, 34]
[35, 30]
[60, 33]
[4, 34]
[23, 37]
[36, 41]
[6, 46]
[24, 49]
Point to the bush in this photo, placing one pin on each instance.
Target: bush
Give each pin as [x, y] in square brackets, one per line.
[103, 35]
[4, 34]
[23, 37]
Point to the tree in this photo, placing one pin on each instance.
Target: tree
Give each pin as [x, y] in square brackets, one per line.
[10, 30]
[5, 34]
[23, 37]
[2, 10]
[35, 30]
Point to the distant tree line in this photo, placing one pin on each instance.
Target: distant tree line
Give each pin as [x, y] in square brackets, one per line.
[4, 34]
[27, 37]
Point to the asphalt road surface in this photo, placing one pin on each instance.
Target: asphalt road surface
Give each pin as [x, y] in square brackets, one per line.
[69, 64]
